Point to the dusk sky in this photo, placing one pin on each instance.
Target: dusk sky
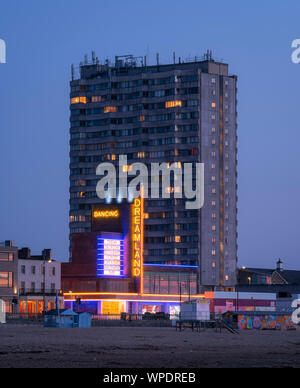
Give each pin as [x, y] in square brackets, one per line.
[254, 37]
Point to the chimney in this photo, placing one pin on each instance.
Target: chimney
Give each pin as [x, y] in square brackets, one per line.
[47, 254]
[24, 253]
[9, 243]
[279, 265]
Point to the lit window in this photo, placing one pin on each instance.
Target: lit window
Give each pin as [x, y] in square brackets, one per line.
[169, 190]
[6, 256]
[213, 178]
[213, 203]
[146, 216]
[108, 109]
[213, 265]
[141, 155]
[142, 118]
[96, 98]
[214, 228]
[213, 252]
[226, 278]
[78, 100]
[6, 279]
[113, 157]
[173, 104]
[213, 105]
[177, 164]
[177, 239]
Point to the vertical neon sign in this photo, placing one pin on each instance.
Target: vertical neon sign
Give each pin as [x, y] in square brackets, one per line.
[138, 241]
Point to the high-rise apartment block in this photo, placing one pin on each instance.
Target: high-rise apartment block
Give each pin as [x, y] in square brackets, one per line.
[175, 113]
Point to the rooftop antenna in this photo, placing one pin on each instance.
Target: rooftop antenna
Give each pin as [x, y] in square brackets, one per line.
[148, 51]
[72, 72]
[174, 57]
[145, 60]
[97, 61]
[208, 55]
[93, 57]
[157, 59]
[86, 59]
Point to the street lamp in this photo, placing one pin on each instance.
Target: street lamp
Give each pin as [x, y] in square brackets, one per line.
[45, 261]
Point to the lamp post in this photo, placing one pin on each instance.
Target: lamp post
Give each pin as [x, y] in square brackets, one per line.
[44, 291]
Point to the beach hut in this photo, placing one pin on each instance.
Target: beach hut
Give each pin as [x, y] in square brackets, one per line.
[85, 320]
[61, 318]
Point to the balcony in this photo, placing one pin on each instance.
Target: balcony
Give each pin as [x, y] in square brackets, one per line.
[39, 291]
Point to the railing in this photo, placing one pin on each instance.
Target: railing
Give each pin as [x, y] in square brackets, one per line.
[39, 291]
[134, 317]
[27, 316]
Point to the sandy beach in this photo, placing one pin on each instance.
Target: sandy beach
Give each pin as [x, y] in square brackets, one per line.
[29, 346]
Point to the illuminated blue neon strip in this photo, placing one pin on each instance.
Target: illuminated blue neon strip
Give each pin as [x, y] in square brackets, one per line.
[100, 257]
[170, 265]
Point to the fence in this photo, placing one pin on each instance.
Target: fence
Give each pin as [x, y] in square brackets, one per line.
[24, 316]
[40, 291]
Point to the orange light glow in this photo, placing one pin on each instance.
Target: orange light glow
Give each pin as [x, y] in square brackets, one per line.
[106, 214]
[136, 237]
[173, 104]
[100, 293]
[132, 300]
[137, 231]
[108, 109]
[78, 100]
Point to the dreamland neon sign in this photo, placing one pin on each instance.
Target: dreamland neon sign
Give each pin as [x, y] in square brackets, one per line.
[137, 239]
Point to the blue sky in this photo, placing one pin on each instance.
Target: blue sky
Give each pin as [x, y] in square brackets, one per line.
[45, 37]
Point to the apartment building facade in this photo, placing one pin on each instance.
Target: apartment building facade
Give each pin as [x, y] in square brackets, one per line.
[28, 282]
[175, 113]
[8, 274]
[39, 281]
